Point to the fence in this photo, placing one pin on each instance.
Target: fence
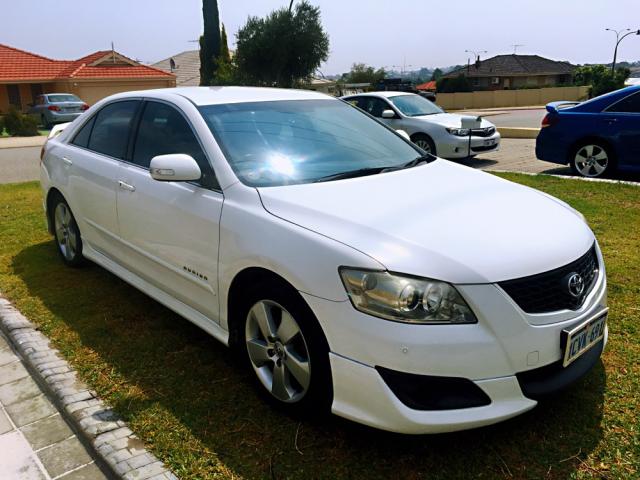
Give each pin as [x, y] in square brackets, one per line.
[510, 98]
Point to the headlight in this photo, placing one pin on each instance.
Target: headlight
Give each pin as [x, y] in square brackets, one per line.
[459, 132]
[405, 299]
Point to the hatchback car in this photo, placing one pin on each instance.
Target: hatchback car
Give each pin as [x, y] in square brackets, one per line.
[428, 126]
[54, 108]
[594, 137]
[352, 271]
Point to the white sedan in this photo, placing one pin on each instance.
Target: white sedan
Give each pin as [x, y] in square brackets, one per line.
[431, 128]
[352, 272]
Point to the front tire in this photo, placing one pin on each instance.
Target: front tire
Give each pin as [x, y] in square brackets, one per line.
[286, 349]
[67, 234]
[424, 142]
[592, 160]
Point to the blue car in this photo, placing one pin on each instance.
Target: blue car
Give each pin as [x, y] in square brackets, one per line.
[594, 137]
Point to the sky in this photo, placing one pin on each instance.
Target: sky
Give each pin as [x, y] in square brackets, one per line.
[394, 34]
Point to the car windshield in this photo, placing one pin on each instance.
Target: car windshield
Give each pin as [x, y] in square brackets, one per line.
[302, 141]
[415, 105]
[63, 98]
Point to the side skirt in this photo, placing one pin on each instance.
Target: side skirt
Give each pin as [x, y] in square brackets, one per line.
[195, 317]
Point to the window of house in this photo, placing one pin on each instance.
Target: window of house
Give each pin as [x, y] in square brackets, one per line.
[36, 91]
[13, 92]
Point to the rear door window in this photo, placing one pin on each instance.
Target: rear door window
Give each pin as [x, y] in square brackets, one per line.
[630, 104]
[82, 137]
[112, 127]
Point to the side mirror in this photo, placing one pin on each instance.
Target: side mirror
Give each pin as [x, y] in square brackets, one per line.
[175, 167]
[388, 114]
[403, 134]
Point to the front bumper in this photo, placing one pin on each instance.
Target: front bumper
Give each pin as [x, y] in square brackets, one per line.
[458, 147]
[494, 354]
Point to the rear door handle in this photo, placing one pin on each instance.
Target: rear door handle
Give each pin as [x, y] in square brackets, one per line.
[611, 120]
[126, 186]
[67, 161]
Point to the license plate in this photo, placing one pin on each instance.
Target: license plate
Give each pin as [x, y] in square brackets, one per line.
[581, 338]
[488, 143]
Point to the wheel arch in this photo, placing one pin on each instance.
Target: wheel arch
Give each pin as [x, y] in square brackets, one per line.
[52, 195]
[243, 280]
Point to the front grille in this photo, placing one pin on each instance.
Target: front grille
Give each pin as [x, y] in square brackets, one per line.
[484, 148]
[549, 291]
[483, 132]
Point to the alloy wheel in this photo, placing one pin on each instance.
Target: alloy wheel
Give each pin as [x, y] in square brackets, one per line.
[591, 160]
[423, 144]
[278, 351]
[65, 233]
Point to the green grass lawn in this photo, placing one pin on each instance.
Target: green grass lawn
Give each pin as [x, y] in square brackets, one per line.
[197, 410]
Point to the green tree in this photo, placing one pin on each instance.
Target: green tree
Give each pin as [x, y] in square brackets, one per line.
[600, 79]
[209, 41]
[361, 73]
[436, 75]
[453, 84]
[226, 72]
[283, 48]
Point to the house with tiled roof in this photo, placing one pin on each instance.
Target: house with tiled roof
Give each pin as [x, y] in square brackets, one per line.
[185, 66]
[504, 72]
[25, 75]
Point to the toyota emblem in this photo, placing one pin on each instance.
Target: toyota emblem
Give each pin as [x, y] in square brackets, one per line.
[575, 284]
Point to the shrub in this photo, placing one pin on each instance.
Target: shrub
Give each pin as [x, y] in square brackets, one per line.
[1, 125]
[20, 125]
[454, 84]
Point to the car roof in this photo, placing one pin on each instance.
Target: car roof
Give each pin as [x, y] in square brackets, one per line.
[222, 95]
[381, 94]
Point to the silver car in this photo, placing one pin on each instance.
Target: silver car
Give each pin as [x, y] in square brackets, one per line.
[54, 108]
[431, 128]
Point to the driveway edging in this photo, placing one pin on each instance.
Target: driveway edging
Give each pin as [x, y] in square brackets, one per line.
[100, 428]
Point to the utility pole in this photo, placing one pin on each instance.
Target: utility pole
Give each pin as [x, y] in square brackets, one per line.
[620, 35]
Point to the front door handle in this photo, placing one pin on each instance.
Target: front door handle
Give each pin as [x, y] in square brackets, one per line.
[126, 186]
[611, 120]
[68, 162]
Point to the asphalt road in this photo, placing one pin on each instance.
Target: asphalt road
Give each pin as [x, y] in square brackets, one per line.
[19, 164]
[518, 118]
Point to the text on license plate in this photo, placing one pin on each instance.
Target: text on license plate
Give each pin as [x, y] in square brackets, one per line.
[583, 337]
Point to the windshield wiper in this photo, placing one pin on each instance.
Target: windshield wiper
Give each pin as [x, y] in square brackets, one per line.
[361, 172]
[413, 163]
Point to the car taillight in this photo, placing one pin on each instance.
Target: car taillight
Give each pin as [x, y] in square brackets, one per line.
[53, 108]
[84, 107]
[549, 120]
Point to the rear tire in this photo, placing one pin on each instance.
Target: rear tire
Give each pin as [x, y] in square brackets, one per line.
[67, 233]
[286, 350]
[424, 142]
[592, 159]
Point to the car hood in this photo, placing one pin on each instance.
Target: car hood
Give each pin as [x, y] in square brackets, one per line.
[440, 220]
[450, 120]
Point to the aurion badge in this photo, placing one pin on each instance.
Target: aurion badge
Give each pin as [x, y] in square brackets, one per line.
[575, 284]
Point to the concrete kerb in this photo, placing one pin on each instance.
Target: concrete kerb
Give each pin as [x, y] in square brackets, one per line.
[518, 132]
[113, 444]
[21, 142]
[571, 177]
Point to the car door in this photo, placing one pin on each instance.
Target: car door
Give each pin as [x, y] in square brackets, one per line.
[622, 120]
[170, 230]
[92, 159]
[375, 106]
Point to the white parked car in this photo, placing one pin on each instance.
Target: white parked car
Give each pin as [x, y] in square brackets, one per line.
[399, 290]
[428, 126]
